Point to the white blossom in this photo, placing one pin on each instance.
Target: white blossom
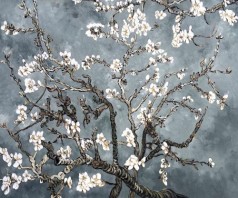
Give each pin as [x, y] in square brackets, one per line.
[222, 102]
[111, 93]
[116, 65]
[197, 8]
[165, 147]
[97, 181]
[95, 30]
[132, 162]
[36, 139]
[229, 16]
[26, 176]
[6, 183]
[16, 181]
[84, 183]
[160, 14]
[30, 85]
[18, 159]
[211, 163]
[129, 137]
[154, 90]
[180, 75]
[65, 153]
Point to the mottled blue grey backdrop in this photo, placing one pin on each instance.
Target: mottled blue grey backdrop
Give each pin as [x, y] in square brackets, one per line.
[218, 137]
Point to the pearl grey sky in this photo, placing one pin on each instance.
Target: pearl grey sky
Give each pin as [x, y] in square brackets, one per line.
[218, 136]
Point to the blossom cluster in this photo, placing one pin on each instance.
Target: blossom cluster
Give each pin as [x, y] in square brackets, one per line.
[85, 182]
[9, 29]
[160, 91]
[165, 147]
[197, 8]
[211, 163]
[133, 162]
[67, 61]
[130, 138]
[8, 158]
[64, 153]
[111, 93]
[103, 141]
[136, 22]
[72, 127]
[95, 30]
[89, 61]
[32, 66]
[36, 139]
[21, 111]
[163, 174]
[229, 16]
[116, 65]
[144, 115]
[14, 180]
[180, 36]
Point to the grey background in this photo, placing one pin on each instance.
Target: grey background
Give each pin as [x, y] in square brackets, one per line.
[66, 23]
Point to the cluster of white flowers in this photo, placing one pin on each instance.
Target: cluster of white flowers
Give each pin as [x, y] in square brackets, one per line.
[89, 61]
[86, 144]
[14, 180]
[116, 65]
[165, 147]
[210, 96]
[188, 98]
[7, 181]
[222, 102]
[197, 8]
[8, 29]
[154, 90]
[67, 60]
[180, 75]
[111, 93]
[114, 29]
[35, 139]
[133, 162]
[144, 115]
[31, 85]
[153, 47]
[32, 66]
[85, 182]
[163, 174]
[72, 127]
[95, 30]
[8, 158]
[103, 141]
[160, 14]
[180, 36]
[229, 16]
[100, 6]
[27, 176]
[211, 163]
[21, 111]
[130, 138]
[65, 153]
[135, 23]
[41, 57]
